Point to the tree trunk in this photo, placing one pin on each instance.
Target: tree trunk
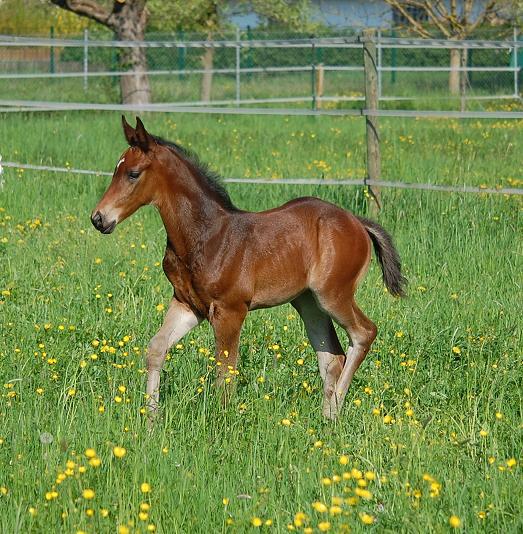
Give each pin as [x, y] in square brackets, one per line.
[454, 74]
[127, 19]
[207, 62]
[134, 87]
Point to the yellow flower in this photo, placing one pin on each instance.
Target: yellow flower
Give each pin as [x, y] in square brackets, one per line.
[88, 494]
[454, 521]
[456, 350]
[363, 493]
[256, 522]
[225, 501]
[344, 460]
[286, 422]
[119, 452]
[145, 487]
[511, 462]
[483, 433]
[299, 519]
[366, 519]
[95, 462]
[90, 453]
[319, 507]
[104, 512]
[122, 529]
[143, 516]
[71, 392]
[324, 526]
[160, 307]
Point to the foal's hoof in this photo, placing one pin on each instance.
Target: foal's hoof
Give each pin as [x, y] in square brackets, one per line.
[330, 410]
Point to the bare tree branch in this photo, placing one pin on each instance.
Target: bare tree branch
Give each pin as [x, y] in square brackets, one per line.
[86, 8]
[416, 26]
[435, 19]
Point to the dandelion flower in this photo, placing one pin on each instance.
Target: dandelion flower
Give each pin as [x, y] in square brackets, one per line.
[88, 494]
[90, 453]
[256, 522]
[319, 507]
[454, 521]
[145, 487]
[366, 519]
[324, 526]
[119, 452]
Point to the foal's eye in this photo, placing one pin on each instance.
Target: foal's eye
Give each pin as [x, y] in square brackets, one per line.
[133, 175]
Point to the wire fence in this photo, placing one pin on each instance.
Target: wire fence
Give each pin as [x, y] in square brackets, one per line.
[319, 73]
[393, 184]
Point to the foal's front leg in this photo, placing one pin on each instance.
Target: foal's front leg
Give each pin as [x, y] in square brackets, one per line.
[179, 320]
[227, 324]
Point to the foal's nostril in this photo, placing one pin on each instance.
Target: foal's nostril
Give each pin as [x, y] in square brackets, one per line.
[96, 219]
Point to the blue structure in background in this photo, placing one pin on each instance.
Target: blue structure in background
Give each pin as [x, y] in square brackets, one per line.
[343, 14]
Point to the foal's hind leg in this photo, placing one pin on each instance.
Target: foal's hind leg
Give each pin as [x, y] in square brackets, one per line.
[179, 320]
[324, 340]
[362, 332]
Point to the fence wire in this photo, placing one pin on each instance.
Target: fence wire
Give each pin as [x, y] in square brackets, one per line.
[318, 73]
[302, 181]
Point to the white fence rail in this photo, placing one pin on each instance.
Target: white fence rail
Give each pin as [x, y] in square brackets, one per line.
[309, 65]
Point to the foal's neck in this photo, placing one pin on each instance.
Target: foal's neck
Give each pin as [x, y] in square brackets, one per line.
[190, 209]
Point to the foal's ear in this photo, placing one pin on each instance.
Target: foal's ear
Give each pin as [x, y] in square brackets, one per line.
[143, 139]
[128, 131]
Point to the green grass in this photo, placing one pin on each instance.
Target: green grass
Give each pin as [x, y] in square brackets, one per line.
[451, 349]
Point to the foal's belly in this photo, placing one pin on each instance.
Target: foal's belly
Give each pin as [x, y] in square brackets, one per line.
[279, 286]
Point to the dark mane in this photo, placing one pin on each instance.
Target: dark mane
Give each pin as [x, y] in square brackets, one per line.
[213, 180]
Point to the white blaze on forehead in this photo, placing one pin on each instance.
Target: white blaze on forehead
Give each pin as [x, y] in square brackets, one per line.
[119, 163]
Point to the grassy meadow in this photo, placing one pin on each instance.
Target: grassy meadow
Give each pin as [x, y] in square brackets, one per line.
[430, 438]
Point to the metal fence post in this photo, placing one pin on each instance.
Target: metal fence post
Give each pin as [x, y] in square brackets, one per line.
[313, 75]
[51, 51]
[393, 60]
[250, 60]
[463, 79]
[181, 56]
[371, 104]
[378, 44]
[86, 58]
[238, 67]
[515, 62]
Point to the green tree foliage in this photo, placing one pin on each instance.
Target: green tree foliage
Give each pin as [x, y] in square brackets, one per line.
[36, 17]
[212, 16]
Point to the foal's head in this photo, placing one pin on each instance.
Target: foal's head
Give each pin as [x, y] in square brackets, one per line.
[134, 179]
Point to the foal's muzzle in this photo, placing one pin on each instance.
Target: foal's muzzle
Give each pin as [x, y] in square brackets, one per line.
[101, 225]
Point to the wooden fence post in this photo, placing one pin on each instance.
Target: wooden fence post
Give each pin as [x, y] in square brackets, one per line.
[320, 78]
[371, 104]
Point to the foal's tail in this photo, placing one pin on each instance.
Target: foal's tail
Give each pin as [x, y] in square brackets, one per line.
[387, 256]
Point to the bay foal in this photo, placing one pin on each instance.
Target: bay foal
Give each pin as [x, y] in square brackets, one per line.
[224, 262]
